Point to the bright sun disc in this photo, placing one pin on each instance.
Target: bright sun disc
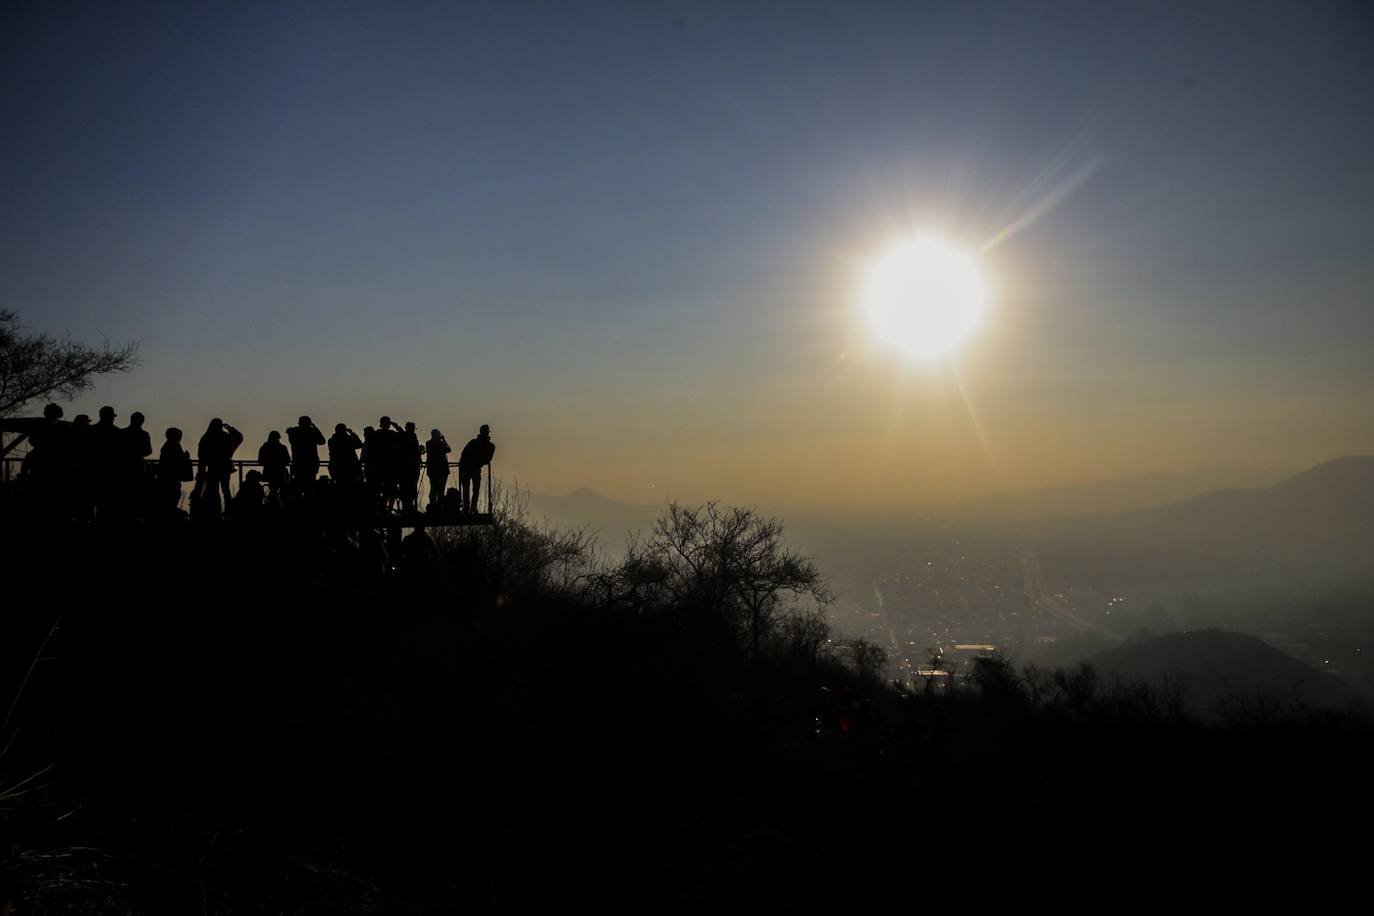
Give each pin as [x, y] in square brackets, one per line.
[924, 297]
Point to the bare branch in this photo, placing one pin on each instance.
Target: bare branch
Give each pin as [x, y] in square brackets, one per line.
[34, 366]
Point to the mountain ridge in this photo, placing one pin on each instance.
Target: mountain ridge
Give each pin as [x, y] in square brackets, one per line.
[1318, 521]
[1113, 495]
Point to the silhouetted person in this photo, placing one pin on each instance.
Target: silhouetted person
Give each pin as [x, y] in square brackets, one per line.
[78, 465]
[476, 455]
[384, 461]
[248, 502]
[452, 501]
[409, 461]
[173, 468]
[135, 447]
[137, 444]
[216, 454]
[369, 434]
[235, 441]
[48, 465]
[276, 463]
[436, 465]
[105, 436]
[343, 456]
[107, 463]
[419, 554]
[44, 462]
[306, 440]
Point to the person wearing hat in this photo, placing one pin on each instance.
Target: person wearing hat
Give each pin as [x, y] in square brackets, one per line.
[105, 436]
[476, 455]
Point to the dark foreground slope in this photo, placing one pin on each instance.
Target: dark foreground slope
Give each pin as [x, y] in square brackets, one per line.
[244, 721]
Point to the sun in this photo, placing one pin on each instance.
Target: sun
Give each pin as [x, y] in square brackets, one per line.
[924, 296]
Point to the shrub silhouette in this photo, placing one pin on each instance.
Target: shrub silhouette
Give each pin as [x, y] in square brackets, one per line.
[537, 726]
[722, 569]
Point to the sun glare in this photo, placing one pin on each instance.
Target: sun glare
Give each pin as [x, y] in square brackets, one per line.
[924, 297]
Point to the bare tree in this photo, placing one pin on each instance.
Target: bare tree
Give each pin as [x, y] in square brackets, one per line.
[729, 563]
[868, 659]
[934, 668]
[34, 366]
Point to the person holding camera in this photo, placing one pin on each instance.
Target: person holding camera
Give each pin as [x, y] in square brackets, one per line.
[306, 439]
[343, 456]
[216, 454]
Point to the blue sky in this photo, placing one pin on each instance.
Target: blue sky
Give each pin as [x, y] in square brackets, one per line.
[629, 236]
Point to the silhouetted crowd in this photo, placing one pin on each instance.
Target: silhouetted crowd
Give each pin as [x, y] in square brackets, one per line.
[103, 472]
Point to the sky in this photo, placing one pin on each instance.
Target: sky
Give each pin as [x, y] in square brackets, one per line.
[633, 237]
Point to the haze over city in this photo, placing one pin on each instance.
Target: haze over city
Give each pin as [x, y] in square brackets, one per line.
[635, 240]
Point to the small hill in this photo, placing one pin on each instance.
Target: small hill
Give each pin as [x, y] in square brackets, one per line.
[1211, 667]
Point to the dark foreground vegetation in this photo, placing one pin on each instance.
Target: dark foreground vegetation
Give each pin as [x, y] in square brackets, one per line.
[221, 719]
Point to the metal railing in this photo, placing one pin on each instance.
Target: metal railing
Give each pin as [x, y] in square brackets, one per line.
[241, 466]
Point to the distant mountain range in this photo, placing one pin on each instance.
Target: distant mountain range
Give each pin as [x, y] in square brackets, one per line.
[1211, 667]
[1318, 521]
[587, 509]
[1116, 495]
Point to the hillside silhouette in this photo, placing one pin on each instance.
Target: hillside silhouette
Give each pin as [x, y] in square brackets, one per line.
[1114, 495]
[243, 717]
[1213, 668]
[1317, 523]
